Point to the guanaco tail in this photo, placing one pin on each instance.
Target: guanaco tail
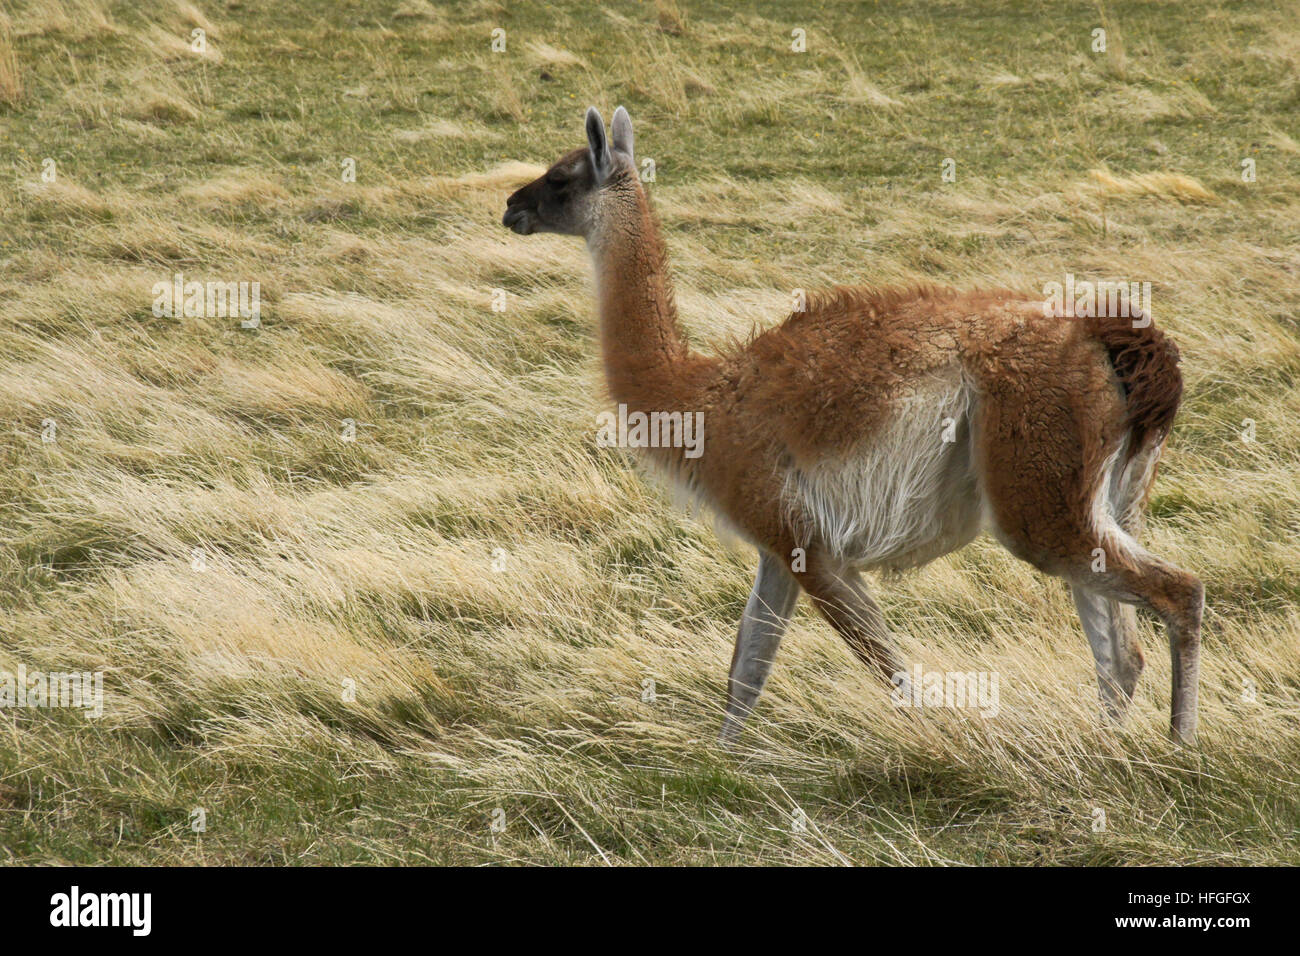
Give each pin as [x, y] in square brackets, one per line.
[880, 429]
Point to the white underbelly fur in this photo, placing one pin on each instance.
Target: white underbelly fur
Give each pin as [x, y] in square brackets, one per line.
[908, 494]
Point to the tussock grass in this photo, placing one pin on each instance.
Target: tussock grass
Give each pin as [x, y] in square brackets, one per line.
[1160, 185]
[73, 19]
[359, 577]
[11, 78]
[171, 47]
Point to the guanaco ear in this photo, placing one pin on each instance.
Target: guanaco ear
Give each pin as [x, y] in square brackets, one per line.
[620, 129]
[596, 144]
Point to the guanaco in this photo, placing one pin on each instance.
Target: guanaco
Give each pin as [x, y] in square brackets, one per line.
[883, 428]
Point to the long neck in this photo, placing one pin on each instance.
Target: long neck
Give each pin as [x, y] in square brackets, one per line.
[647, 360]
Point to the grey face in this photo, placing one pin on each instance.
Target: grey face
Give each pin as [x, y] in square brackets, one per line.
[565, 199]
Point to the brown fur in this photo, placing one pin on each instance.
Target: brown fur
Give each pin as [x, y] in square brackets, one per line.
[1055, 400]
[1146, 361]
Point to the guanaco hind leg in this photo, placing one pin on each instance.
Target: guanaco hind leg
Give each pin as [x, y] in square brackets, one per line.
[1111, 629]
[1049, 494]
[1133, 576]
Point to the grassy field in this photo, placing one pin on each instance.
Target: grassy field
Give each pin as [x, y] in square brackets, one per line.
[431, 643]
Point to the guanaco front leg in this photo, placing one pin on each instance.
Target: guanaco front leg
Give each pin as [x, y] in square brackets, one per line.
[764, 622]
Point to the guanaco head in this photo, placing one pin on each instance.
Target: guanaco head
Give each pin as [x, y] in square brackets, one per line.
[572, 195]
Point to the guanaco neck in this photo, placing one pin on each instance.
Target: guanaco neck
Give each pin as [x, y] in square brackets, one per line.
[648, 364]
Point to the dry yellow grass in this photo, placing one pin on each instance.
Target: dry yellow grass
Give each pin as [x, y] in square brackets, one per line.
[11, 78]
[358, 576]
[1162, 185]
